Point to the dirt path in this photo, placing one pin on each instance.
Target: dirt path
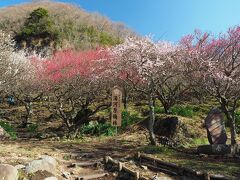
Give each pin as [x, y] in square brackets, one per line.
[67, 153]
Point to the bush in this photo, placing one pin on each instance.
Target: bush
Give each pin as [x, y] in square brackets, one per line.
[98, 129]
[181, 110]
[238, 122]
[32, 128]
[128, 119]
[9, 129]
[159, 110]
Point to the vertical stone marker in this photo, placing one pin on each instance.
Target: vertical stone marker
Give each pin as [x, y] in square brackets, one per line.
[116, 119]
[215, 127]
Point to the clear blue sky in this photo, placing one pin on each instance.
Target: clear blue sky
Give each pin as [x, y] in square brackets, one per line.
[165, 19]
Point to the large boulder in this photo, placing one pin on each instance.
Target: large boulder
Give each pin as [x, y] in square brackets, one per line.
[166, 127]
[45, 163]
[8, 172]
[171, 130]
[219, 149]
[214, 149]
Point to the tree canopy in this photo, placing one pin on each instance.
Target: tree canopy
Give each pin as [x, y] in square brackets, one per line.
[38, 25]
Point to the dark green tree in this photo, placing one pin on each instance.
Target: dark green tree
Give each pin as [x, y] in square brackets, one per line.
[38, 25]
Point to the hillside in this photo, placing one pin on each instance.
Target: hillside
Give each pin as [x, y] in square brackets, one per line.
[77, 27]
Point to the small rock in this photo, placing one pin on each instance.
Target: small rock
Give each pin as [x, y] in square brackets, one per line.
[41, 175]
[3, 134]
[55, 139]
[115, 174]
[87, 155]
[8, 172]
[20, 166]
[155, 177]
[51, 178]
[203, 155]
[46, 163]
[48, 135]
[144, 167]
[49, 159]
[66, 175]
[131, 162]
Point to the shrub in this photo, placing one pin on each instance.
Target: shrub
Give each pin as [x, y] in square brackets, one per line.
[159, 110]
[238, 122]
[238, 127]
[32, 128]
[181, 110]
[98, 129]
[128, 119]
[9, 129]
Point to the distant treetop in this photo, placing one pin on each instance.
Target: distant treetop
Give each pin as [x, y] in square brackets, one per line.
[38, 25]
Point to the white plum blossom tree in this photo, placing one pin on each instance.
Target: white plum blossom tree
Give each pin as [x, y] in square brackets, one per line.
[13, 64]
[8, 65]
[143, 64]
[16, 72]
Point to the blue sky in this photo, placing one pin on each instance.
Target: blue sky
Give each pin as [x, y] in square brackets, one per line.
[165, 19]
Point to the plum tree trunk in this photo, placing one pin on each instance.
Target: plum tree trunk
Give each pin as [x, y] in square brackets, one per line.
[167, 103]
[125, 99]
[151, 121]
[166, 108]
[232, 120]
[233, 130]
[81, 118]
[73, 132]
[29, 113]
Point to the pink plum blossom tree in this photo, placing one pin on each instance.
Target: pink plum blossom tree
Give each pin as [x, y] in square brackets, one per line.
[77, 82]
[213, 64]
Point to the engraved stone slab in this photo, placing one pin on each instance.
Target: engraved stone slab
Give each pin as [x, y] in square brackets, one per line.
[215, 126]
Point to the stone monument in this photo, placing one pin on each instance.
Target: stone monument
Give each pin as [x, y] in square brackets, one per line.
[215, 126]
[216, 133]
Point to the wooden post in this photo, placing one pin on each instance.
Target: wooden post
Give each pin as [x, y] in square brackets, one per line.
[116, 117]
